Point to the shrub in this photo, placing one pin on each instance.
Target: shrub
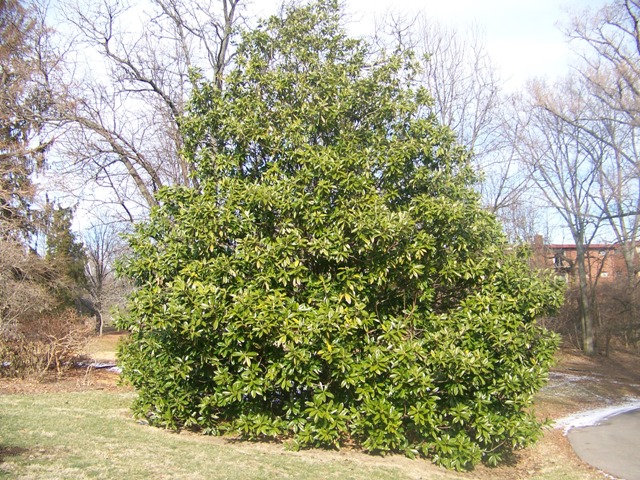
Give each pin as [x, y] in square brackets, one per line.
[333, 278]
[52, 341]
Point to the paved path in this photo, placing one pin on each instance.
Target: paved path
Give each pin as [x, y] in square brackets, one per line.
[612, 446]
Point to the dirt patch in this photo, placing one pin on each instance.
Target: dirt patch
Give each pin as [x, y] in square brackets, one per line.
[6, 452]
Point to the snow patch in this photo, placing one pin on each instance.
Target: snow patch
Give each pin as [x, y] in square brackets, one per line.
[109, 367]
[590, 418]
[570, 377]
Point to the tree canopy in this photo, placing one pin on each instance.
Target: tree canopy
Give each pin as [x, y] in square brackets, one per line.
[333, 277]
[22, 104]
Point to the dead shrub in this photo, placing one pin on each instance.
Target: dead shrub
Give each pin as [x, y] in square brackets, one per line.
[41, 344]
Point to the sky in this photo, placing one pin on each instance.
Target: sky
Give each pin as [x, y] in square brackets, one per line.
[522, 37]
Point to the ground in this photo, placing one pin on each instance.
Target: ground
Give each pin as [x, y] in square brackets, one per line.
[576, 383]
[579, 382]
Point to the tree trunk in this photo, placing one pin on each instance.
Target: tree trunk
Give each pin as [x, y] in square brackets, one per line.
[99, 322]
[586, 317]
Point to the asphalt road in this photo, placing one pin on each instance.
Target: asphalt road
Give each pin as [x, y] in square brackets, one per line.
[612, 446]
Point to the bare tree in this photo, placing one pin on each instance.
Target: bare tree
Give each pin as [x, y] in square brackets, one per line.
[466, 91]
[563, 161]
[507, 189]
[608, 42]
[123, 109]
[104, 245]
[619, 182]
[463, 82]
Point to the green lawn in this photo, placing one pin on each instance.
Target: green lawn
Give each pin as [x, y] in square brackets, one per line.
[92, 435]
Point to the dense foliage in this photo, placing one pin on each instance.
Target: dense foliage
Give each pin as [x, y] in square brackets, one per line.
[333, 278]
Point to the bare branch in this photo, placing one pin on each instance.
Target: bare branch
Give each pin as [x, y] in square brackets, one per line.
[123, 111]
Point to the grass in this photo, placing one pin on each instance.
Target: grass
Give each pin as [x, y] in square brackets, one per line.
[104, 347]
[91, 434]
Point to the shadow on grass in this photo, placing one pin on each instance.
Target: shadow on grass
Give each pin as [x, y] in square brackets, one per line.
[509, 459]
[6, 452]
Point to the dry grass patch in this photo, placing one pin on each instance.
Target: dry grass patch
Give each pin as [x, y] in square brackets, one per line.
[103, 348]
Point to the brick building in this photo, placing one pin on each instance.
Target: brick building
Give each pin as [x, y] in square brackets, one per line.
[604, 261]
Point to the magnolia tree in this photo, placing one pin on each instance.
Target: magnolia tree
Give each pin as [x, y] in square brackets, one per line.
[333, 278]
